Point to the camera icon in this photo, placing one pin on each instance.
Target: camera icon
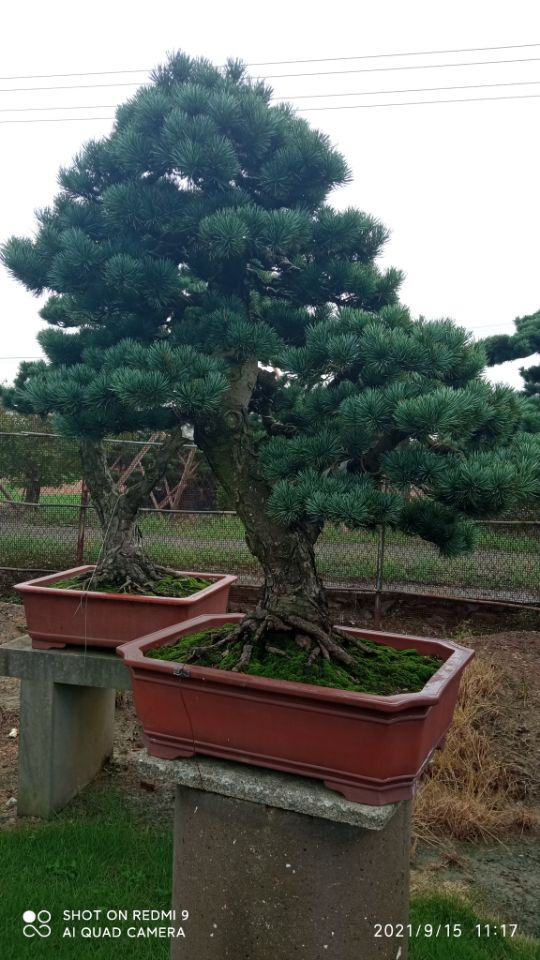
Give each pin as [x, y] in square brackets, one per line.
[37, 924]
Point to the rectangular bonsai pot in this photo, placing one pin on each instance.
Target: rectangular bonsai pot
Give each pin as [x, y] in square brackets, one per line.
[56, 617]
[370, 748]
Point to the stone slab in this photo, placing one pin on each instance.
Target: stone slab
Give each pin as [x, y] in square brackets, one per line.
[72, 665]
[257, 785]
[267, 883]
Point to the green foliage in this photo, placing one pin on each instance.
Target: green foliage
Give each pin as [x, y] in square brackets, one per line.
[523, 343]
[197, 242]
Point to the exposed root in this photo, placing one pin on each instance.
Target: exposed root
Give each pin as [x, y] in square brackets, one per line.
[316, 652]
[357, 643]
[245, 658]
[196, 652]
[131, 586]
[254, 634]
[136, 580]
[251, 642]
[324, 639]
[277, 651]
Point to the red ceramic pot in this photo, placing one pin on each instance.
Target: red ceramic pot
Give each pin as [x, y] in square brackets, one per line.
[372, 749]
[56, 617]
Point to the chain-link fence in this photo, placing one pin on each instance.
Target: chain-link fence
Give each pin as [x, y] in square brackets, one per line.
[505, 564]
[61, 530]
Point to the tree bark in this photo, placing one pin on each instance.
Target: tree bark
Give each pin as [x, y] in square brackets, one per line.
[188, 472]
[122, 560]
[292, 586]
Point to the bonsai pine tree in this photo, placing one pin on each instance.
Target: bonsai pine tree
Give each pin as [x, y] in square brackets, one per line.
[199, 275]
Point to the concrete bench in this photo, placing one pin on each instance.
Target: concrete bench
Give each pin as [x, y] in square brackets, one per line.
[66, 720]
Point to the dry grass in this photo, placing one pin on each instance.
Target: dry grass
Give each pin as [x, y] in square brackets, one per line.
[467, 793]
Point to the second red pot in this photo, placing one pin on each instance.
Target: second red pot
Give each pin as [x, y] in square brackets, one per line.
[56, 617]
[370, 748]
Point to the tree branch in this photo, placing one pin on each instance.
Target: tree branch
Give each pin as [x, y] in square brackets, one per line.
[98, 478]
[137, 492]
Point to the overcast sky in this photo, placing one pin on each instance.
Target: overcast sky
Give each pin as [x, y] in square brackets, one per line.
[456, 183]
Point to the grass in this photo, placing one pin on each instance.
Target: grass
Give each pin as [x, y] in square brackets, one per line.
[431, 912]
[102, 853]
[98, 854]
[468, 793]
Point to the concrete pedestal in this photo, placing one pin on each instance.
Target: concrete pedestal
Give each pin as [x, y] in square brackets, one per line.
[66, 721]
[66, 735]
[273, 867]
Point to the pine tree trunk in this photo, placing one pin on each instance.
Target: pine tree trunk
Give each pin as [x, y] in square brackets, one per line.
[292, 586]
[122, 561]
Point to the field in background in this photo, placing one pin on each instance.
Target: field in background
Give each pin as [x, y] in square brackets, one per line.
[505, 564]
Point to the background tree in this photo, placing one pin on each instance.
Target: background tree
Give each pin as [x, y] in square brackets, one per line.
[524, 342]
[32, 462]
[199, 275]
[511, 346]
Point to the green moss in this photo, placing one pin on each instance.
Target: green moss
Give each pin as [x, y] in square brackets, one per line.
[179, 586]
[387, 671]
[166, 587]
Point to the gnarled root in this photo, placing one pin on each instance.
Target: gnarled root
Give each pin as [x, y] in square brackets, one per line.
[136, 578]
[316, 639]
[196, 652]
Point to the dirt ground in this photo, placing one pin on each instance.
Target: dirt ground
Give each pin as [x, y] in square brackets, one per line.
[501, 878]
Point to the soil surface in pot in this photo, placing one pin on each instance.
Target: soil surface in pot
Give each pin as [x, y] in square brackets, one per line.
[379, 670]
[168, 586]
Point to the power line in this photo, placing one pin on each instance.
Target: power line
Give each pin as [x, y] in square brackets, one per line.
[104, 73]
[376, 93]
[408, 53]
[278, 63]
[69, 86]
[307, 96]
[411, 103]
[354, 106]
[57, 120]
[418, 66]
[79, 106]
[279, 76]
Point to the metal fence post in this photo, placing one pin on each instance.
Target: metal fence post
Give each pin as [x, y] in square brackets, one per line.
[379, 576]
[85, 495]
